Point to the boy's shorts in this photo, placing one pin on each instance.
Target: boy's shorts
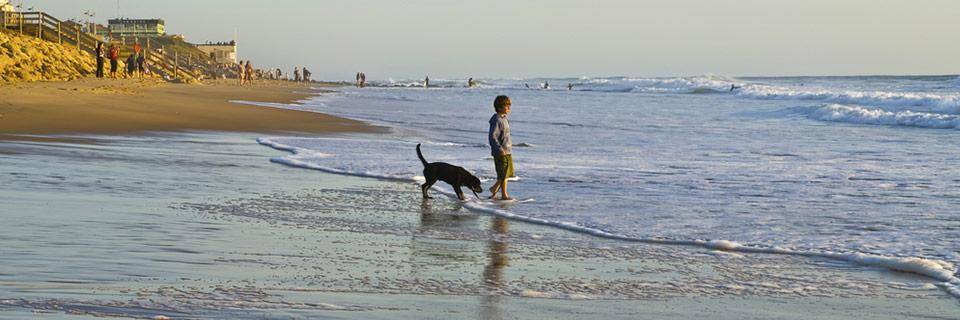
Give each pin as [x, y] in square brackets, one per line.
[504, 166]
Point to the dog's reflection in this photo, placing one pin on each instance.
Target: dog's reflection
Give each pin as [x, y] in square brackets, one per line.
[441, 218]
[430, 245]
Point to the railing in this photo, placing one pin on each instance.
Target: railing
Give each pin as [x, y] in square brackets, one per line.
[49, 28]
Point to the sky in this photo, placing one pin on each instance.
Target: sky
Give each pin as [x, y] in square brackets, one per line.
[410, 39]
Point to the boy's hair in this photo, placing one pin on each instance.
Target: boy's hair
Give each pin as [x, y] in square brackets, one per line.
[500, 102]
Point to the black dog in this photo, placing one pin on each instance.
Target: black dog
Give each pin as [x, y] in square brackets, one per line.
[454, 175]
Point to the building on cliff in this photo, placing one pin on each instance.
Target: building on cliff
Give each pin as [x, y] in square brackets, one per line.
[221, 52]
[134, 28]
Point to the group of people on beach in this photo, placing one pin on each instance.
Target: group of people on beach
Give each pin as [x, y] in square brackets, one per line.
[245, 72]
[301, 76]
[135, 62]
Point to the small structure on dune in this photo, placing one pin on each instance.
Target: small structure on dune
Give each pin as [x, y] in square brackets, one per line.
[221, 52]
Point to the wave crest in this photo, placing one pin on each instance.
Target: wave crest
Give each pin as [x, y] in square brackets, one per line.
[929, 102]
[861, 115]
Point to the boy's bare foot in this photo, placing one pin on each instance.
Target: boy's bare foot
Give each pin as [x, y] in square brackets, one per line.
[493, 190]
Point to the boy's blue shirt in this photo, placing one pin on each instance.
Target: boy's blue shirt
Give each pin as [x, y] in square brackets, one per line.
[499, 135]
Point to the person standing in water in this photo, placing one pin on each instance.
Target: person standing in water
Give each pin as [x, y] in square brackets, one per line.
[501, 146]
[426, 82]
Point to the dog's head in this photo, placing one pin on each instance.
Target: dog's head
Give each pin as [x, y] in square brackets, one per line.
[474, 184]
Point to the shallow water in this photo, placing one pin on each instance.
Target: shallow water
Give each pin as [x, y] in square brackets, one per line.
[813, 165]
[203, 226]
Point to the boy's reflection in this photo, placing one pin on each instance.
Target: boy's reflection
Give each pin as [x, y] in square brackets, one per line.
[493, 272]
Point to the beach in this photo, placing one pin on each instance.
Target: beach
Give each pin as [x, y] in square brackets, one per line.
[168, 210]
[105, 106]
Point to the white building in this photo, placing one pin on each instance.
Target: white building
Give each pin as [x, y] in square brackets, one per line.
[222, 52]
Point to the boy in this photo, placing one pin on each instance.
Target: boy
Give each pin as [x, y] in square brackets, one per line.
[500, 146]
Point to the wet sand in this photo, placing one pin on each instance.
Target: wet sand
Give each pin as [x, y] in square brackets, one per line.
[107, 106]
[202, 225]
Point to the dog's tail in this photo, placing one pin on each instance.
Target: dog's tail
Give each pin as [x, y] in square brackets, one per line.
[420, 155]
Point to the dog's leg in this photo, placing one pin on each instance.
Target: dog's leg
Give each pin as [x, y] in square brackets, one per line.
[426, 186]
[459, 193]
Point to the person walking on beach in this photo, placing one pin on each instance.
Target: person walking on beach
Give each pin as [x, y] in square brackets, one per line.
[296, 74]
[363, 79]
[113, 55]
[249, 72]
[141, 64]
[240, 71]
[131, 64]
[358, 79]
[501, 146]
[138, 60]
[99, 53]
[306, 75]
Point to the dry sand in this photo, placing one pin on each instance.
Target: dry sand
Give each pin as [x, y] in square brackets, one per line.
[25, 59]
[107, 106]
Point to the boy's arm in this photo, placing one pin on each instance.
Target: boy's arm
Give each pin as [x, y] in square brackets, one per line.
[494, 136]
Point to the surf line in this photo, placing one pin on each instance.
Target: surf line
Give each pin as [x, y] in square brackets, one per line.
[933, 269]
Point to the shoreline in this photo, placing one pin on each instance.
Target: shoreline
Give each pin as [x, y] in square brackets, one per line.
[110, 106]
[245, 238]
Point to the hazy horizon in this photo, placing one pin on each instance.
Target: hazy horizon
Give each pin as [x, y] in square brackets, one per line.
[563, 38]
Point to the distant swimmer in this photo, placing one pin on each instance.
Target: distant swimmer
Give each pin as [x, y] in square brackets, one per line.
[734, 87]
[470, 83]
[526, 85]
[546, 85]
[569, 87]
[426, 82]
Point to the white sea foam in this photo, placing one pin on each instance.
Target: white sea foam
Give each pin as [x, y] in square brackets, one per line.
[941, 103]
[919, 101]
[857, 114]
[299, 153]
[695, 84]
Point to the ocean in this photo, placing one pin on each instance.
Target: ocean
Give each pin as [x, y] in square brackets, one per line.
[853, 169]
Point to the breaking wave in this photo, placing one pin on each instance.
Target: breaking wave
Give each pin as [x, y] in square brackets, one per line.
[862, 115]
[925, 102]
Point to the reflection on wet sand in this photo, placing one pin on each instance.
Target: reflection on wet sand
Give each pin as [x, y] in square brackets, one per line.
[434, 219]
[427, 244]
[493, 272]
